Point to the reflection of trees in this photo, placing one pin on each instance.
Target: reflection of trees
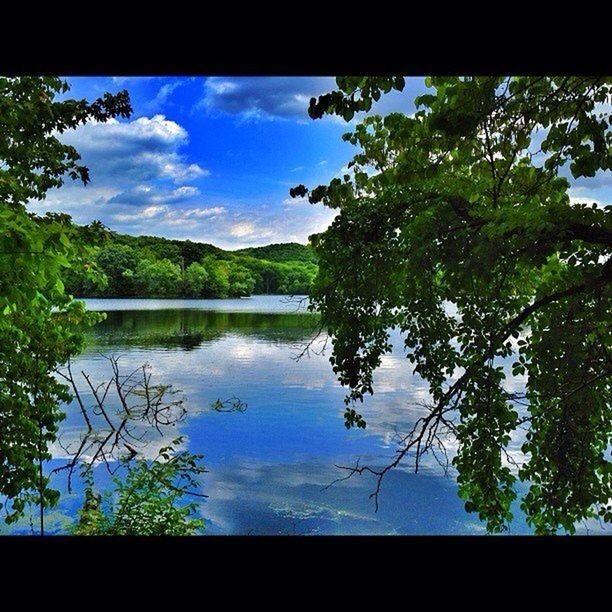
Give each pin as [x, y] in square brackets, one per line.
[119, 416]
[188, 329]
[128, 423]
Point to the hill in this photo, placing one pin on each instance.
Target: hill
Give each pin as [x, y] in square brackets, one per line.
[152, 266]
[194, 251]
[284, 251]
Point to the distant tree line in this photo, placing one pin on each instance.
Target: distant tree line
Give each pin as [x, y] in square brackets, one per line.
[149, 266]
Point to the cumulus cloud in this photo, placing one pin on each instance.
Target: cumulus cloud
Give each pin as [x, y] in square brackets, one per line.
[257, 98]
[170, 215]
[146, 213]
[213, 211]
[156, 132]
[263, 98]
[170, 166]
[143, 149]
[143, 194]
[192, 217]
[249, 230]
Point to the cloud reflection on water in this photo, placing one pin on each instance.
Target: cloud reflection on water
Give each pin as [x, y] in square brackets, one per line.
[269, 464]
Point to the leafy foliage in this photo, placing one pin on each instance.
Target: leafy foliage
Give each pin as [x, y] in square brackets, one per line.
[40, 325]
[355, 94]
[196, 280]
[289, 251]
[464, 206]
[149, 501]
[159, 278]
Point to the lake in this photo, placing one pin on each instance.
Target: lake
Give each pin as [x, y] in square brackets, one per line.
[269, 465]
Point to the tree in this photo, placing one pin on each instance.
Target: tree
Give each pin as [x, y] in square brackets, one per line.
[241, 281]
[287, 251]
[196, 279]
[158, 278]
[118, 262]
[466, 204]
[265, 273]
[218, 277]
[40, 325]
[87, 280]
[296, 277]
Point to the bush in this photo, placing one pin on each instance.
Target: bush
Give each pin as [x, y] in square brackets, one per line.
[148, 502]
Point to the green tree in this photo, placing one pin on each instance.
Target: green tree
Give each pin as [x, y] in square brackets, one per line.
[218, 277]
[40, 325]
[160, 278]
[196, 280]
[85, 281]
[241, 281]
[466, 203]
[288, 251]
[265, 273]
[296, 277]
[118, 263]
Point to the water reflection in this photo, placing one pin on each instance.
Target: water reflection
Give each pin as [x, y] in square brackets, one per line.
[268, 465]
[187, 329]
[289, 498]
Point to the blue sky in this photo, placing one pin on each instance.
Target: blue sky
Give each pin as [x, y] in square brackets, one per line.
[212, 159]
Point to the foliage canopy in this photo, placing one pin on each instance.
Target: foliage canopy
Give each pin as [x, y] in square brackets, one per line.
[152, 266]
[455, 226]
[40, 325]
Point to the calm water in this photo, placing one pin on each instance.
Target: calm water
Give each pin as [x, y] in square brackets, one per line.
[269, 464]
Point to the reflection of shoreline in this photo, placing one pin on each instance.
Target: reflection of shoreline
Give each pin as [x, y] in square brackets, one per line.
[188, 329]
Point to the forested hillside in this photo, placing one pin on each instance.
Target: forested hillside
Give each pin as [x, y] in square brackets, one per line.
[287, 251]
[150, 266]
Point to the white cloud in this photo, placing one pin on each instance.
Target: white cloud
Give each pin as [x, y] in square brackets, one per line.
[146, 213]
[142, 149]
[601, 181]
[169, 165]
[588, 201]
[189, 216]
[156, 132]
[146, 194]
[163, 95]
[256, 98]
[267, 98]
[122, 80]
[249, 230]
[294, 201]
[205, 212]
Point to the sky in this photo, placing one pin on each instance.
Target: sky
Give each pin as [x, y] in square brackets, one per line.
[212, 159]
